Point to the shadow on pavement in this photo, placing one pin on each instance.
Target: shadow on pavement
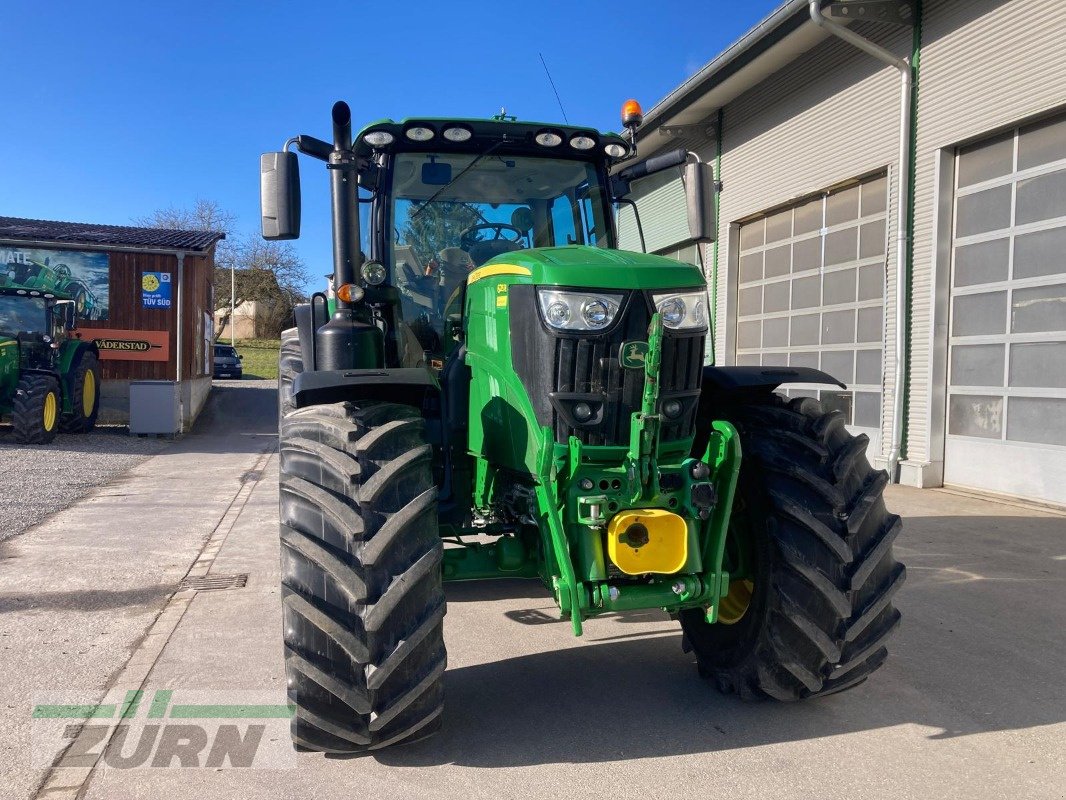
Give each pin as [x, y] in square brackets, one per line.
[237, 418]
[84, 599]
[503, 589]
[981, 649]
[235, 413]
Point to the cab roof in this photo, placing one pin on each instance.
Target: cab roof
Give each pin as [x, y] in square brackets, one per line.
[513, 135]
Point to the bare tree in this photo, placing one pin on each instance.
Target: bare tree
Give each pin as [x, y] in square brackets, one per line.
[269, 273]
[205, 215]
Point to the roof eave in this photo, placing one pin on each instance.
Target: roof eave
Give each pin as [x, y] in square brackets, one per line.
[74, 244]
[778, 39]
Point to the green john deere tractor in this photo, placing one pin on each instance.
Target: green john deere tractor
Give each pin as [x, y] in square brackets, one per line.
[491, 389]
[49, 380]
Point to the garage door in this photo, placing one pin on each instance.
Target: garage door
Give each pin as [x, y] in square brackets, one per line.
[1006, 415]
[811, 281]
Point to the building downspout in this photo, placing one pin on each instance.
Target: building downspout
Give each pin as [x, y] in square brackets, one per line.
[717, 233]
[903, 232]
[181, 317]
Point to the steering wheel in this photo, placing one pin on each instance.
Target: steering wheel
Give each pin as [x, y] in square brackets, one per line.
[469, 236]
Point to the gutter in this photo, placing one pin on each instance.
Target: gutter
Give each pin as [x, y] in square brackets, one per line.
[903, 221]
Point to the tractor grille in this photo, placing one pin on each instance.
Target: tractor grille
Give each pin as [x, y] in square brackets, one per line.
[559, 370]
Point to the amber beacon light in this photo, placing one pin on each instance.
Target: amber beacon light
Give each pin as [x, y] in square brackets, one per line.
[632, 115]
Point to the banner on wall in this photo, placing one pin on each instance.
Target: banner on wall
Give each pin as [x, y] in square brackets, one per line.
[123, 345]
[155, 289]
[81, 275]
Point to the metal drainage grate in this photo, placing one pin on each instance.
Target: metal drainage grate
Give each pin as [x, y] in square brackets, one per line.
[209, 582]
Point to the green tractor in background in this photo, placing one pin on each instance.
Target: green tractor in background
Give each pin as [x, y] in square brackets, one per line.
[492, 390]
[49, 380]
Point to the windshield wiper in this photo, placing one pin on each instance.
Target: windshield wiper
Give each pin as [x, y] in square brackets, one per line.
[454, 180]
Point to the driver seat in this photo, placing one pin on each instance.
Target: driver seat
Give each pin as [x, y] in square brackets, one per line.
[453, 266]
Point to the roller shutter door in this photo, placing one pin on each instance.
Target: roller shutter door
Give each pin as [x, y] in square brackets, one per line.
[1006, 415]
[811, 285]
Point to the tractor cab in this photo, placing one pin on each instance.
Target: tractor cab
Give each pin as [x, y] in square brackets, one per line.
[453, 212]
[448, 196]
[33, 322]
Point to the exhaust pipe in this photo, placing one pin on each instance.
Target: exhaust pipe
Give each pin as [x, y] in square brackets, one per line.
[343, 181]
[346, 341]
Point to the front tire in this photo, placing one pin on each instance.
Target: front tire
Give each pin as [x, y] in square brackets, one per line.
[290, 364]
[810, 524]
[362, 594]
[36, 408]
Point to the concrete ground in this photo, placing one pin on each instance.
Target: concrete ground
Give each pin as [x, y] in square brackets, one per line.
[972, 702]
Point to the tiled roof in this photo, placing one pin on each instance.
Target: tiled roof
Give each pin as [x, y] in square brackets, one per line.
[13, 228]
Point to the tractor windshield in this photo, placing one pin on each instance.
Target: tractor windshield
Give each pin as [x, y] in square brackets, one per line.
[453, 212]
[21, 314]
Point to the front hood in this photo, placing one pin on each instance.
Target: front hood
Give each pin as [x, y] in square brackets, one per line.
[578, 265]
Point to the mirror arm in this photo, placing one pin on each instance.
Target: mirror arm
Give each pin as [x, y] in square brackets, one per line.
[310, 146]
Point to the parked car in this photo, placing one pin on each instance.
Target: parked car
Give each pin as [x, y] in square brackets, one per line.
[227, 362]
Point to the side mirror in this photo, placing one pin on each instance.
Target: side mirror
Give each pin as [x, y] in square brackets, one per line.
[279, 195]
[66, 311]
[700, 201]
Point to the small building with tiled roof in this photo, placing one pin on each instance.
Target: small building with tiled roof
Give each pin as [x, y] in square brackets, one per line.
[143, 294]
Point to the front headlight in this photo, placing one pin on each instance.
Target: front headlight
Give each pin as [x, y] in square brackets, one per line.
[683, 311]
[578, 311]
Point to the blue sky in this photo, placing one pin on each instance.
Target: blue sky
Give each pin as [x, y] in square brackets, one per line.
[114, 109]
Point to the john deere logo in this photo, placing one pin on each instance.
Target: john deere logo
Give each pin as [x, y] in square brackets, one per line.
[633, 354]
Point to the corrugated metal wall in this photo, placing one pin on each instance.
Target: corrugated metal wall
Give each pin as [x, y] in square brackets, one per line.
[831, 116]
[986, 64]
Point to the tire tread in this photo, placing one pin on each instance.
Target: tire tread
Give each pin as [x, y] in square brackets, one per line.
[828, 542]
[362, 596]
